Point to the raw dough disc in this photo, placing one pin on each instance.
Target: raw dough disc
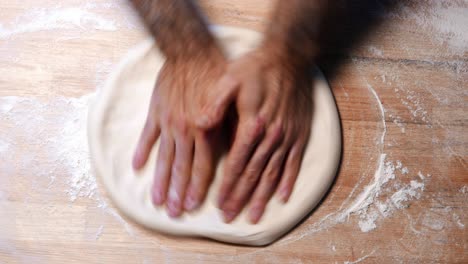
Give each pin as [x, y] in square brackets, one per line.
[117, 117]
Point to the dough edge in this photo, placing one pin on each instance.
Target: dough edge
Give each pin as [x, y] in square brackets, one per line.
[275, 227]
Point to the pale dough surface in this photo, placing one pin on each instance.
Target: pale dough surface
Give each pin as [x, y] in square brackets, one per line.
[117, 117]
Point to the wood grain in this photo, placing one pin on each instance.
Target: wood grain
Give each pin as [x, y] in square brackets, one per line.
[418, 70]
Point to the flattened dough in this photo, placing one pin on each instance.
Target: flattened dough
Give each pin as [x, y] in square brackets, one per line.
[117, 117]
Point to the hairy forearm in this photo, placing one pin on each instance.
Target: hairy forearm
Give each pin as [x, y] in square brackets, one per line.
[295, 28]
[178, 28]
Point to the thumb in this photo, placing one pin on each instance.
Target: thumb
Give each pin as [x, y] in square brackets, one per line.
[223, 95]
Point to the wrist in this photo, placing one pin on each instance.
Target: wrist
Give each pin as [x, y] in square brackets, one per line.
[296, 56]
[193, 51]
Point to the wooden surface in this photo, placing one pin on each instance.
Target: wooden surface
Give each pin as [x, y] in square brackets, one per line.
[400, 196]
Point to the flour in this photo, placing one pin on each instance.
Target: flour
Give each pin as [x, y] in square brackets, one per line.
[360, 259]
[88, 17]
[447, 21]
[99, 232]
[463, 189]
[375, 51]
[71, 148]
[4, 146]
[434, 223]
[410, 192]
[458, 221]
[56, 18]
[55, 129]
[375, 208]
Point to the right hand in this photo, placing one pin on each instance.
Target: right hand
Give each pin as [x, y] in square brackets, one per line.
[272, 95]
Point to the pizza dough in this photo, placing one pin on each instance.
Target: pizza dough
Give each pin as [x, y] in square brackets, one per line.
[116, 119]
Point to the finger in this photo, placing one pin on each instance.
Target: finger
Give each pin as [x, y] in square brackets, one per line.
[248, 181]
[202, 173]
[291, 170]
[247, 135]
[214, 113]
[146, 142]
[267, 185]
[163, 165]
[180, 173]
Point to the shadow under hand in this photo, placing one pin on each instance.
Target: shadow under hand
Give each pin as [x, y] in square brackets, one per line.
[346, 25]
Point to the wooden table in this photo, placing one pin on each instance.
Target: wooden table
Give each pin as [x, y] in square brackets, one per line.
[400, 195]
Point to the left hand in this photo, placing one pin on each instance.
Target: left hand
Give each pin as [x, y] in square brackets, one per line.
[186, 158]
[272, 97]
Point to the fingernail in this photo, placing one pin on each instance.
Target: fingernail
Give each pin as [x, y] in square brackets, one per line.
[190, 203]
[283, 194]
[255, 214]
[136, 160]
[173, 204]
[157, 197]
[228, 216]
[221, 200]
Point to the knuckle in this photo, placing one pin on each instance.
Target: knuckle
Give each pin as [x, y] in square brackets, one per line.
[177, 170]
[257, 127]
[234, 166]
[271, 175]
[251, 175]
[199, 174]
[277, 133]
[166, 119]
[233, 204]
[236, 170]
[182, 126]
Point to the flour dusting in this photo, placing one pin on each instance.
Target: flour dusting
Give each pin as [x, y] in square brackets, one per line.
[56, 18]
[447, 21]
[55, 129]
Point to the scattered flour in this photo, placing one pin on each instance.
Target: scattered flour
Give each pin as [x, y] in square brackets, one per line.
[90, 16]
[56, 130]
[413, 191]
[359, 259]
[56, 18]
[3, 146]
[458, 221]
[99, 232]
[376, 208]
[433, 223]
[464, 189]
[375, 51]
[63, 136]
[447, 21]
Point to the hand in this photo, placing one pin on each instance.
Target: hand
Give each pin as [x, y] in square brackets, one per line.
[272, 96]
[185, 162]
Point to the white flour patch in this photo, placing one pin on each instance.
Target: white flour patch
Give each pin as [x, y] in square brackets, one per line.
[72, 145]
[447, 21]
[99, 232]
[458, 221]
[55, 133]
[56, 18]
[375, 51]
[392, 188]
[4, 146]
[399, 122]
[463, 189]
[413, 102]
[56, 130]
[434, 223]
[413, 191]
[79, 19]
[377, 208]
